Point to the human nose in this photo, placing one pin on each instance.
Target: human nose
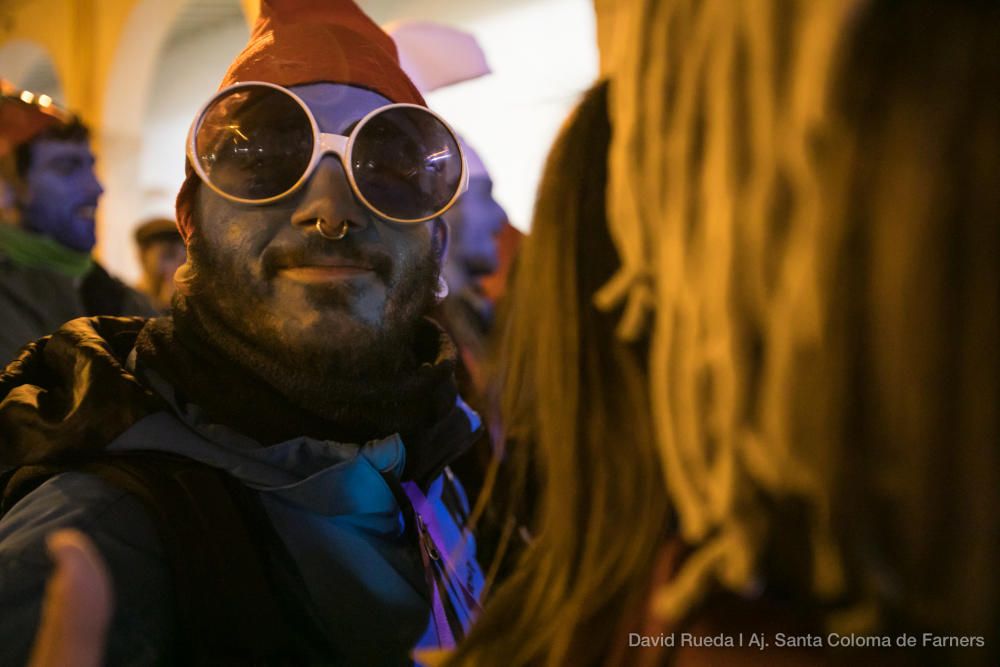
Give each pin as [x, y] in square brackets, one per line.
[327, 195]
[94, 185]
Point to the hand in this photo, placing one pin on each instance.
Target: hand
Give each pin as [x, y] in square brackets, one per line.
[77, 607]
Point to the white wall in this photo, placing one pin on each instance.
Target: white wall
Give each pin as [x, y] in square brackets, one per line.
[543, 56]
[189, 73]
[27, 65]
[144, 165]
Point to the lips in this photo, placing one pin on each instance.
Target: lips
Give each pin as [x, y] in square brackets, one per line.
[314, 260]
[346, 263]
[320, 274]
[325, 269]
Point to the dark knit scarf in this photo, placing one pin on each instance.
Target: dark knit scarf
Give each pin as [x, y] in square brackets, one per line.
[208, 365]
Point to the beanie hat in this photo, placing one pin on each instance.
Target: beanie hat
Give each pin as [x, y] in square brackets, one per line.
[296, 42]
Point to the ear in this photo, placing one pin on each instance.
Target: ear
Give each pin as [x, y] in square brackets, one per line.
[439, 239]
[183, 277]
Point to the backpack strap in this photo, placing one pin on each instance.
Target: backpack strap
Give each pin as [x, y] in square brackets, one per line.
[223, 556]
[453, 605]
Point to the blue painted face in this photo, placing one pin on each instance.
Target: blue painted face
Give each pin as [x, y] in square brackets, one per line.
[61, 193]
[277, 279]
[475, 220]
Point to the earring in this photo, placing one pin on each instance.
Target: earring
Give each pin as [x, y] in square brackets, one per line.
[183, 277]
[441, 293]
[340, 233]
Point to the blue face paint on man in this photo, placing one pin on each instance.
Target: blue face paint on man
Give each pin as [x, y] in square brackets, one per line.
[475, 221]
[61, 193]
[268, 271]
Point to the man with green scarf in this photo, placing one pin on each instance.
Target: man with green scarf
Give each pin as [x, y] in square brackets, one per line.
[47, 275]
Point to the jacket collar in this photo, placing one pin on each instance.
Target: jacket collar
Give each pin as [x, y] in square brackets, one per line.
[70, 394]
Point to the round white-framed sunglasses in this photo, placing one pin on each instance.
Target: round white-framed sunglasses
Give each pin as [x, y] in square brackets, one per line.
[256, 143]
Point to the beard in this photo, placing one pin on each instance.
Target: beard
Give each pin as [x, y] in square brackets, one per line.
[349, 364]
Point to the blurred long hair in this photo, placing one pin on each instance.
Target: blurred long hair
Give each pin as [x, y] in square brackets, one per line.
[911, 163]
[803, 198]
[576, 415]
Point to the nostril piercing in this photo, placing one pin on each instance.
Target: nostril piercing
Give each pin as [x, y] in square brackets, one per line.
[335, 235]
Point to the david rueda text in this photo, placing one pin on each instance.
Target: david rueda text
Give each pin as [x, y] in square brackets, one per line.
[683, 639]
[757, 640]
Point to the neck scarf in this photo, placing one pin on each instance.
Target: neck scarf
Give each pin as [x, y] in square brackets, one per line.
[203, 362]
[25, 248]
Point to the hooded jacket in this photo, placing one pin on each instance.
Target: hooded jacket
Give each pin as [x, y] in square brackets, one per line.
[336, 507]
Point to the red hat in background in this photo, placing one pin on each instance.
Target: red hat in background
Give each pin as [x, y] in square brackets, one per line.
[24, 115]
[296, 42]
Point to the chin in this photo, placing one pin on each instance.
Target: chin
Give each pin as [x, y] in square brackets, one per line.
[327, 330]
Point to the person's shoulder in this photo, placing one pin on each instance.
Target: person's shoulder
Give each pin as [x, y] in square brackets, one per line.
[74, 500]
[33, 283]
[34, 302]
[104, 294]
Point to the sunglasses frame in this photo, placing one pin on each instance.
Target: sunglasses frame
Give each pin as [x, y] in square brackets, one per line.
[323, 143]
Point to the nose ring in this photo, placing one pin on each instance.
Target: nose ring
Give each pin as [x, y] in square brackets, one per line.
[336, 235]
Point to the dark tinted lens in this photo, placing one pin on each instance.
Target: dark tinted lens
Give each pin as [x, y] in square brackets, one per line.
[406, 163]
[254, 143]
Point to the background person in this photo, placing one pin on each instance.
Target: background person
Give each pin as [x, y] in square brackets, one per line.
[47, 274]
[436, 56]
[475, 223]
[161, 253]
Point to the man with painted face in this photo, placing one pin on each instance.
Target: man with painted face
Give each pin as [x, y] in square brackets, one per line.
[47, 275]
[475, 222]
[265, 470]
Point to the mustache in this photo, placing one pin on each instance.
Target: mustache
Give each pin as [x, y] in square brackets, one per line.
[315, 251]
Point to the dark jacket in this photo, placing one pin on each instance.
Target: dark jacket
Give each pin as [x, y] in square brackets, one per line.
[335, 506]
[36, 301]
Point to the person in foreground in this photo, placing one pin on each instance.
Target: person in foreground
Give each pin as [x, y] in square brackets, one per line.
[265, 470]
[761, 396]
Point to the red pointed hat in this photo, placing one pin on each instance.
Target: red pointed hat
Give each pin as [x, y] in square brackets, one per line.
[296, 42]
[307, 41]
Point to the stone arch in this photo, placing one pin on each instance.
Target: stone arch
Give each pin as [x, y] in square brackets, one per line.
[150, 73]
[120, 136]
[194, 58]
